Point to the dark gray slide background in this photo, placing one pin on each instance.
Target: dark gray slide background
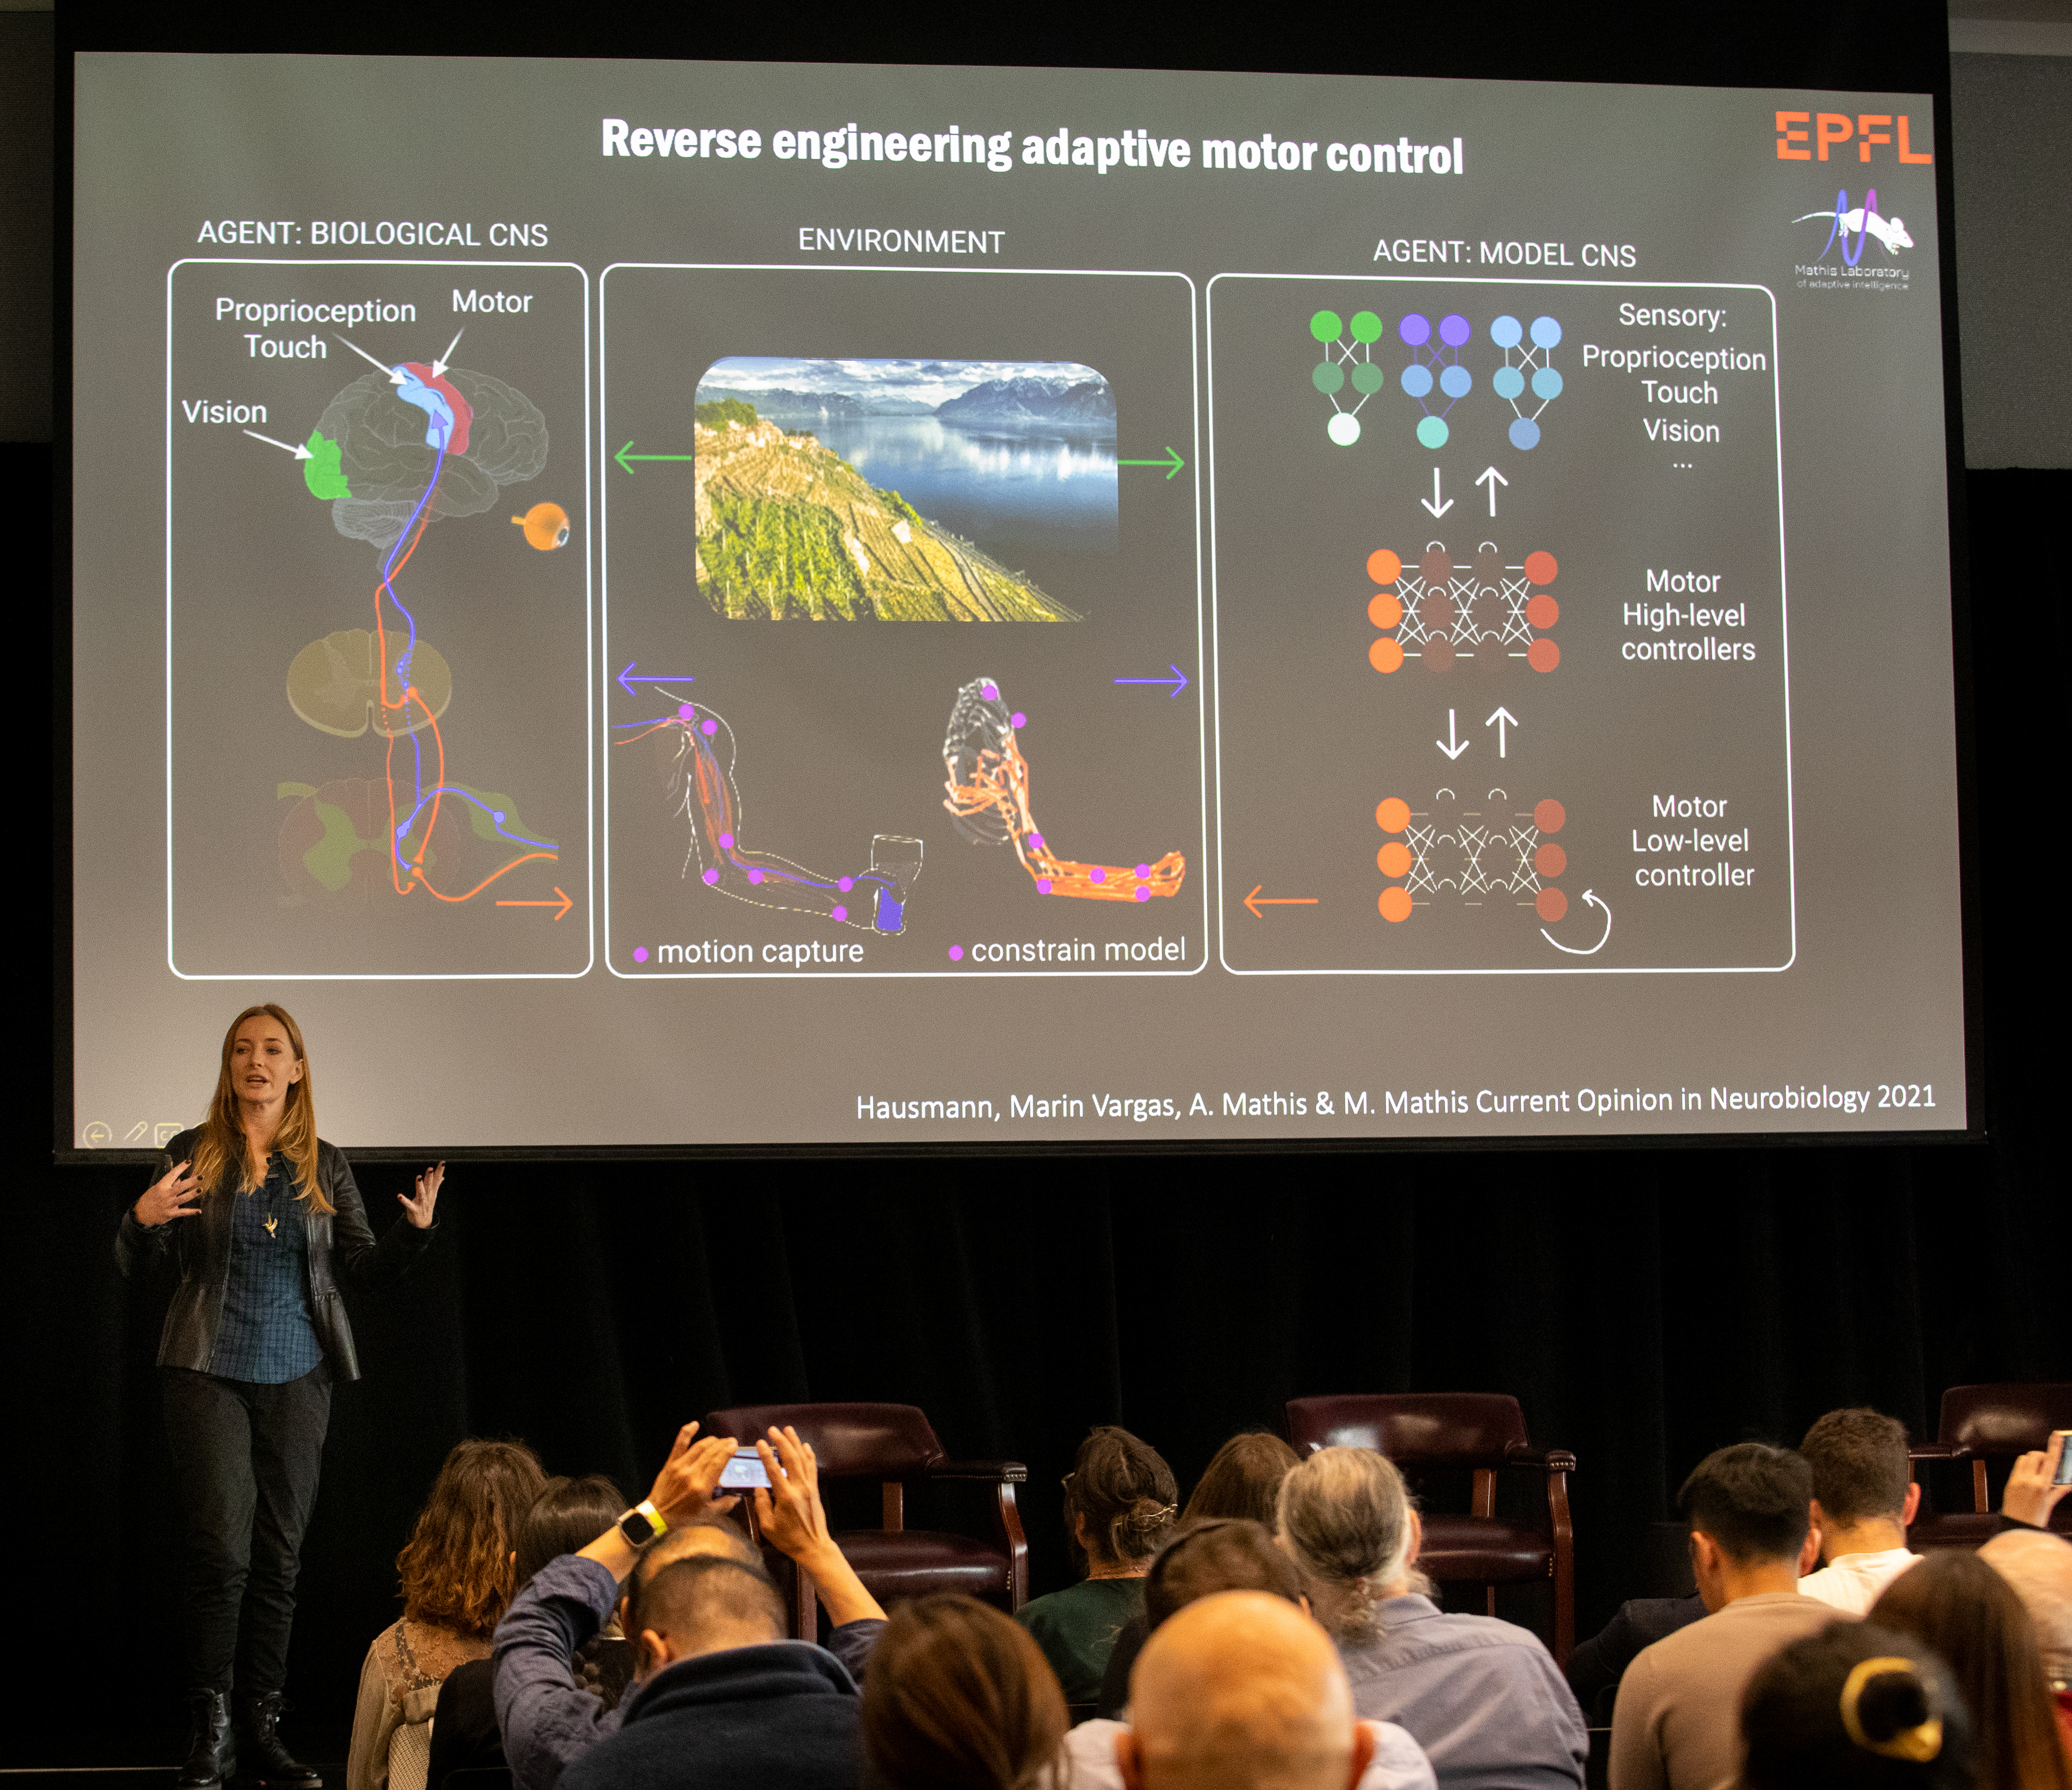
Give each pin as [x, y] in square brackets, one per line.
[1689, 178]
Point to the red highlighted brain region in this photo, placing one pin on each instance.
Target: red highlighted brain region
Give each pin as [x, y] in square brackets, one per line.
[1436, 610]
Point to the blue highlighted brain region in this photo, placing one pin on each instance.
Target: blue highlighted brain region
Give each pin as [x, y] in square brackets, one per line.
[1437, 372]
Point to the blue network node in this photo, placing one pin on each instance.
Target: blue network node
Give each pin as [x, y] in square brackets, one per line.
[1533, 366]
[1435, 363]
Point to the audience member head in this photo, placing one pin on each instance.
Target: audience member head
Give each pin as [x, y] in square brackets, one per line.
[2039, 1567]
[708, 1537]
[961, 1697]
[1220, 1553]
[1854, 1707]
[1859, 1478]
[568, 1514]
[1749, 1511]
[1345, 1518]
[1242, 1480]
[1241, 1691]
[456, 1566]
[703, 1603]
[1955, 1603]
[1120, 1499]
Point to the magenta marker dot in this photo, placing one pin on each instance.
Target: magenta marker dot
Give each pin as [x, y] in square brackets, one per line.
[708, 728]
[726, 841]
[1098, 874]
[755, 876]
[1042, 885]
[956, 953]
[1143, 894]
[640, 953]
[990, 692]
[686, 712]
[1020, 720]
[711, 877]
[842, 913]
[1036, 839]
[847, 883]
[1143, 869]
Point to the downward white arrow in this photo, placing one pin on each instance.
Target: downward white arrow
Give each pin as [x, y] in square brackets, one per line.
[1492, 478]
[299, 452]
[439, 367]
[1432, 502]
[396, 375]
[1453, 745]
[1502, 720]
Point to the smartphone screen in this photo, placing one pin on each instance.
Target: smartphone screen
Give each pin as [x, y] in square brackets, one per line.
[744, 1471]
[2062, 1475]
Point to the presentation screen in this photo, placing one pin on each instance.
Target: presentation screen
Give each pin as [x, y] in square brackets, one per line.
[670, 604]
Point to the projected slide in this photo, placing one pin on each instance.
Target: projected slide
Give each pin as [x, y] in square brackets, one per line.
[692, 605]
[377, 686]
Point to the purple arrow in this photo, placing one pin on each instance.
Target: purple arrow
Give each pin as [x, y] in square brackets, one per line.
[626, 680]
[1179, 681]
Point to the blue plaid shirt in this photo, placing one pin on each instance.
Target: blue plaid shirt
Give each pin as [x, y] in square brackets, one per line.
[266, 1336]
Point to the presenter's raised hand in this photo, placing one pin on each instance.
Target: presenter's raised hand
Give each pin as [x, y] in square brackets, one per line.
[683, 1488]
[167, 1198]
[418, 1207]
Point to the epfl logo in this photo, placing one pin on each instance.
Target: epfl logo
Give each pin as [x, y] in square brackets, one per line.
[1832, 128]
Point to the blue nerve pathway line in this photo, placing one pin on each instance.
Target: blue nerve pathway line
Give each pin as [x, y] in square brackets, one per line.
[1179, 681]
[403, 663]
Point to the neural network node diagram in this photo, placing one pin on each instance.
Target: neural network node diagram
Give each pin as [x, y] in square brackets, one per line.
[397, 450]
[1479, 848]
[1437, 609]
[988, 784]
[697, 754]
[1436, 374]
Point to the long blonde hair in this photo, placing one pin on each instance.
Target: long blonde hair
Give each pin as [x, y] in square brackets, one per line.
[223, 1140]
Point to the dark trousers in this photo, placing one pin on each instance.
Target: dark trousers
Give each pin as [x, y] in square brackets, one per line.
[245, 1461]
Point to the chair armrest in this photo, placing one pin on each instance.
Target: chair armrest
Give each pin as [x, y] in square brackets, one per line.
[1553, 1460]
[1011, 1472]
[1936, 1451]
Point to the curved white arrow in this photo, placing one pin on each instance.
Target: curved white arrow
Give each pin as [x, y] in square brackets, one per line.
[1594, 949]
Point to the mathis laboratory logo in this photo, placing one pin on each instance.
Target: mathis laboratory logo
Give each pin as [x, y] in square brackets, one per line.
[1852, 229]
[1863, 250]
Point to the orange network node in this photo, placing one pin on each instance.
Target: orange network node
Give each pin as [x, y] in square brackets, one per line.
[988, 795]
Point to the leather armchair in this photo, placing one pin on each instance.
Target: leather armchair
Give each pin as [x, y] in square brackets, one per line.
[895, 1444]
[1980, 1424]
[1485, 1433]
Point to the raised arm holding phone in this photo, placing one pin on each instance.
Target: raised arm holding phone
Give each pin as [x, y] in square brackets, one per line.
[263, 1223]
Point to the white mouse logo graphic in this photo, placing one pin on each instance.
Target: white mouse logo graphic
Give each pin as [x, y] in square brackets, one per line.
[1862, 221]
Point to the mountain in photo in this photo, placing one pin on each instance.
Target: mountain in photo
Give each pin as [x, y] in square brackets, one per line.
[1028, 403]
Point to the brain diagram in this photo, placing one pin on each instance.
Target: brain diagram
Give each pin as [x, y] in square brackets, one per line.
[378, 444]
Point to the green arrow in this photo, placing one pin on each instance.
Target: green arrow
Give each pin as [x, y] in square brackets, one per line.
[625, 455]
[1171, 461]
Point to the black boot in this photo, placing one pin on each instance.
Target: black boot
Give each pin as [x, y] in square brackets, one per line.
[266, 1760]
[211, 1749]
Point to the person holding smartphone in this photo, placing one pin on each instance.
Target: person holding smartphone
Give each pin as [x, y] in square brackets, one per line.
[263, 1224]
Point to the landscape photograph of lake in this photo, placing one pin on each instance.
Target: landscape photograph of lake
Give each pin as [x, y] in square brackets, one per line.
[902, 489]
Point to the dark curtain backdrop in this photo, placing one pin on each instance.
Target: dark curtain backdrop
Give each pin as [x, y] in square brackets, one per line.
[1645, 1306]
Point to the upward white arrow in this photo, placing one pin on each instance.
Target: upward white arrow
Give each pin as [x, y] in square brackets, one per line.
[1492, 478]
[1502, 720]
[1432, 502]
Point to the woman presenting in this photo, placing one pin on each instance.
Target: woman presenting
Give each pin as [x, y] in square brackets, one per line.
[264, 1223]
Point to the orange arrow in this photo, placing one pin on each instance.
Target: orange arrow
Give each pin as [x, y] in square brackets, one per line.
[564, 904]
[1256, 901]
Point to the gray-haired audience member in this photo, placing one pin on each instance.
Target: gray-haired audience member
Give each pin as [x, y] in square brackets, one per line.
[1483, 1698]
[721, 1696]
[1854, 1707]
[1749, 1511]
[1230, 1554]
[1241, 1691]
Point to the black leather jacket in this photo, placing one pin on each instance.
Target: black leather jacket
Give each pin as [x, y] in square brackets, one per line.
[341, 1250]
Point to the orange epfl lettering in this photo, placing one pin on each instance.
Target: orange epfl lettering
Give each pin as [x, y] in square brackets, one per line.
[1788, 132]
[1795, 143]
